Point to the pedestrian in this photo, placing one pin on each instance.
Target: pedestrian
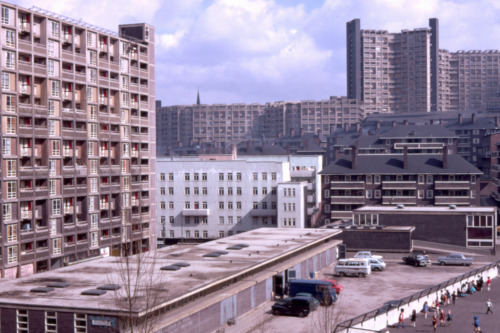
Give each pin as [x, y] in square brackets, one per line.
[448, 296]
[488, 283]
[426, 309]
[401, 319]
[477, 329]
[449, 317]
[445, 299]
[413, 318]
[489, 305]
[442, 318]
[434, 322]
[454, 297]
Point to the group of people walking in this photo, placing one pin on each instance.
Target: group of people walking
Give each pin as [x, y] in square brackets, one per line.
[439, 315]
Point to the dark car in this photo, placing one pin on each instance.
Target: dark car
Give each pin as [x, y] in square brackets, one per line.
[315, 302]
[297, 306]
[416, 260]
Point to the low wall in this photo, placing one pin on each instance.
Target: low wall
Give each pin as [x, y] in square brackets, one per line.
[381, 318]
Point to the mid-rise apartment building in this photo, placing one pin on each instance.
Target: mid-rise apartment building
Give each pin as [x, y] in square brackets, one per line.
[390, 179]
[219, 195]
[407, 72]
[77, 140]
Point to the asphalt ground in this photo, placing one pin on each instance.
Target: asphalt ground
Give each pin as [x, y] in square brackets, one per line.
[361, 295]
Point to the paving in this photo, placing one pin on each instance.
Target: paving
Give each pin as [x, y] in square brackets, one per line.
[361, 295]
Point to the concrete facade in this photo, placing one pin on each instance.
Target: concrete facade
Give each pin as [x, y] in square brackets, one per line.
[78, 140]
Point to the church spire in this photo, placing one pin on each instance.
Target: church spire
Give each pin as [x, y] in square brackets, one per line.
[198, 97]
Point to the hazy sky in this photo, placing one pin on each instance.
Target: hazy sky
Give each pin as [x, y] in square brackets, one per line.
[244, 51]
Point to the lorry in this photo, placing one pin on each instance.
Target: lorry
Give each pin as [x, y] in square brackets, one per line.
[323, 291]
[455, 259]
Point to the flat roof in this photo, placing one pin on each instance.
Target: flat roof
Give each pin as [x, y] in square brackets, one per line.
[430, 209]
[260, 248]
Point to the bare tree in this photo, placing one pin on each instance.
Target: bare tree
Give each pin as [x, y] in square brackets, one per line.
[143, 288]
[326, 318]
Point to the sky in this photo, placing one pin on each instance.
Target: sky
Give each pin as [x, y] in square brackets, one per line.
[258, 51]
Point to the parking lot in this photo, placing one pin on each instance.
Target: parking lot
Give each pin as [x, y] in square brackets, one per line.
[360, 295]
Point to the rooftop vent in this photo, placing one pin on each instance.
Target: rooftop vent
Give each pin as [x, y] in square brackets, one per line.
[453, 206]
[379, 227]
[212, 255]
[109, 287]
[354, 227]
[182, 264]
[234, 247]
[93, 292]
[170, 268]
[58, 285]
[242, 245]
[221, 252]
[400, 206]
[367, 227]
[41, 290]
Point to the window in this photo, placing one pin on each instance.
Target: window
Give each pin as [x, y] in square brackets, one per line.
[429, 194]
[230, 220]
[196, 176]
[171, 219]
[264, 191]
[11, 168]
[255, 220]
[170, 177]
[170, 205]
[230, 176]
[204, 205]
[186, 176]
[196, 234]
[187, 205]
[162, 176]
[163, 205]
[10, 60]
[429, 179]
[264, 176]
[238, 191]
[376, 179]
[204, 191]
[204, 177]
[187, 191]
[368, 194]
[94, 221]
[162, 190]
[255, 176]
[80, 323]
[94, 185]
[221, 204]
[54, 31]
[50, 322]
[221, 219]
[51, 68]
[221, 190]
[205, 234]
[5, 81]
[238, 176]
[273, 176]
[377, 194]
[5, 15]
[230, 205]
[7, 211]
[255, 205]
[221, 176]
[420, 179]
[10, 38]
[54, 88]
[238, 205]
[11, 232]
[12, 254]
[327, 194]
[11, 125]
[171, 191]
[221, 234]
[52, 187]
[229, 191]
[11, 190]
[255, 191]
[56, 207]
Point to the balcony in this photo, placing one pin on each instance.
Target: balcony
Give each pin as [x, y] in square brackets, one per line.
[445, 200]
[68, 152]
[25, 152]
[446, 185]
[347, 185]
[301, 173]
[397, 185]
[69, 210]
[358, 200]
[67, 39]
[103, 153]
[395, 200]
[26, 214]
[105, 205]
[67, 95]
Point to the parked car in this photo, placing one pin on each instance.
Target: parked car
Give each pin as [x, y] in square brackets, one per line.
[297, 306]
[377, 264]
[308, 295]
[354, 267]
[321, 290]
[455, 259]
[366, 254]
[416, 260]
[338, 287]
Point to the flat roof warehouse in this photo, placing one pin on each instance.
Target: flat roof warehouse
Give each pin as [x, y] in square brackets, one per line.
[269, 251]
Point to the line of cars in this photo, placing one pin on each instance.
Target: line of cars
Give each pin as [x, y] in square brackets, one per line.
[419, 259]
[306, 296]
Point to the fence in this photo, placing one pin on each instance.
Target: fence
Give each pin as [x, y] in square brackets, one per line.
[378, 319]
[450, 248]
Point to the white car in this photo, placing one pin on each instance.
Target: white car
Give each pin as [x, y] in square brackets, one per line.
[366, 254]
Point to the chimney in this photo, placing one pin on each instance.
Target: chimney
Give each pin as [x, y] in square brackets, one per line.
[292, 133]
[445, 157]
[405, 122]
[301, 132]
[354, 163]
[460, 119]
[405, 157]
[474, 118]
[393, 123]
